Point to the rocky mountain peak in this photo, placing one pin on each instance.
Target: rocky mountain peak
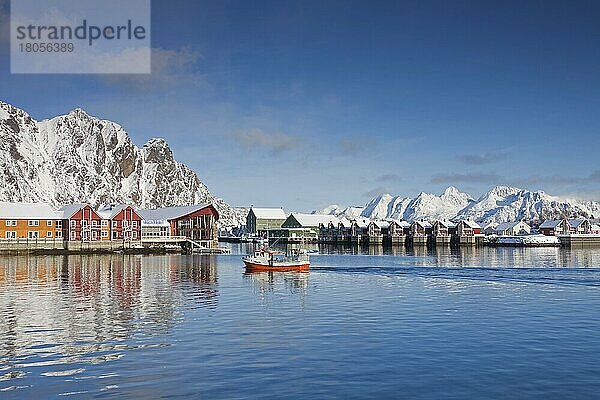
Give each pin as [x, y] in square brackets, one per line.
[77, 157]
[502, 191]
[157, 150]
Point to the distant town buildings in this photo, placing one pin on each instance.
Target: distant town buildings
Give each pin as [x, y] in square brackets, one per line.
[23, 225]
[38, 223]
[302, 227]
[565, 227]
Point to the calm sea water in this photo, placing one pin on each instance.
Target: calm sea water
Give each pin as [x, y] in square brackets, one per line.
[476, 323]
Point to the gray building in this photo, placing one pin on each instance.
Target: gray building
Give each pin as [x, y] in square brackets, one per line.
[259, 219]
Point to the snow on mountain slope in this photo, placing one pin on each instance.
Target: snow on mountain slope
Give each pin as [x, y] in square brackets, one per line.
[503, 203]
[430, 206]
[379, 207]
[500, 204]
[334, 209]
[424, 205]
[80, 158]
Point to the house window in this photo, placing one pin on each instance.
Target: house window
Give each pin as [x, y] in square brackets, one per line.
[134, 224]
[59, 234]
[11, 234]
[73, 236]
[73, 223]
[94, 223]
[104, 223]
[134, 234]
[49, 222]
[104, 234]
[115, 235]
[94, 235]
[59, 223]
[11, 223]
[33, 234]
[84, 223]
[33, 222]
[49, 234]
[125, 223]
[115, 224]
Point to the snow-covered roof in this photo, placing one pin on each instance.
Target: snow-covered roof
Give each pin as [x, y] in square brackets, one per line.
[490, 225]
[10, 210]
[68, 210]
[169, 213]
[551, 223]
[447, 224]
[382, 224]
[402, 224]
[269, 213]
[424, 224]
[471, 224]
[345, 223]
[314, 220]
[575, 223]
[507, 225]
[109, 211]
[362, 222]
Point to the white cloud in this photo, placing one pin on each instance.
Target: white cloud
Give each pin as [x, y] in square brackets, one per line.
[481, 159]
[354, 145]
[275, 142]
[375, 192]
[470, 177]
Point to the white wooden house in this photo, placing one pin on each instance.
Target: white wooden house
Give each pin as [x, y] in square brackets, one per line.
[420, 228]
[512, 229]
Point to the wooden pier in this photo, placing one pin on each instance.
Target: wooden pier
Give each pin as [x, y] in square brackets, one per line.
[419, 240]
[579, 240]
[442, 240]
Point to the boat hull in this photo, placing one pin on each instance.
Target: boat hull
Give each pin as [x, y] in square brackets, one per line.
[255, 267]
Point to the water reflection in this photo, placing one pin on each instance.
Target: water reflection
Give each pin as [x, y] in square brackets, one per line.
[202, 273]
[454, 256]
[82, 310]
[265, 284]
[196, 326]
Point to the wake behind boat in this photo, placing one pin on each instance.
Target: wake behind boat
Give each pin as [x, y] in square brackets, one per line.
[269, 260]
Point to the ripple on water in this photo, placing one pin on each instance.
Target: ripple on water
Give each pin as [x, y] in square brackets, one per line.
[457, 323]
[66, 372]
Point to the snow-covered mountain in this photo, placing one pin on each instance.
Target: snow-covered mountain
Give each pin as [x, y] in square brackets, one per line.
[505, 203]
[500, 204]
[80, 158]
[425, 205]
[348, 212]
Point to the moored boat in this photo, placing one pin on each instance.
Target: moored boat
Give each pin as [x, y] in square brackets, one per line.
[268, 260]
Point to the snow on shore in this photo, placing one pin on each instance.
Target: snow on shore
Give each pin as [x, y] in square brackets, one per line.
[529, 240]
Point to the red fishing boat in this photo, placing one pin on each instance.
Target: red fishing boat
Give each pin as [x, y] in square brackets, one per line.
[267, 260]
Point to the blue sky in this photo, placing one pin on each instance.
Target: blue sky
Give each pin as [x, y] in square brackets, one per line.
[303, 104]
